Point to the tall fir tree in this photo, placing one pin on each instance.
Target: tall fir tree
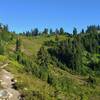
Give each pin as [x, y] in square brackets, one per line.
[18, 44]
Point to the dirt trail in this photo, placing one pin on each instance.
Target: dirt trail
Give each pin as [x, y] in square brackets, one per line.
[6, 83]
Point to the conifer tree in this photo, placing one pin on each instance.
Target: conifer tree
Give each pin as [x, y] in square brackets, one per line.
[42, 57]
[61, 31]
[74, 31]
[18, 44]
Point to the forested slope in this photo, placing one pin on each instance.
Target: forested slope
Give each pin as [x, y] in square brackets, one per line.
[55, 66]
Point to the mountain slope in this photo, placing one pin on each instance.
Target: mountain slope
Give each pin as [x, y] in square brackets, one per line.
[65, 84]
[53, 66]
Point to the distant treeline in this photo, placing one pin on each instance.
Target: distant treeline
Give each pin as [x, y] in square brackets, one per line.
[46, 31]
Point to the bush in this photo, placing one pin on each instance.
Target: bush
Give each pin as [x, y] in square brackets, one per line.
[91, 80]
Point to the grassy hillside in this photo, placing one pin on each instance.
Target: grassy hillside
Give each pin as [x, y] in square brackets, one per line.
[66, 85]
[53, 67]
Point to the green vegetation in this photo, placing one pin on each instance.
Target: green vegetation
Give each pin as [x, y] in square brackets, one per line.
[54, 65]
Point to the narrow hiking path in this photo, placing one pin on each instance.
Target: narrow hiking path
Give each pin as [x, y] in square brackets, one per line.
[6, 83]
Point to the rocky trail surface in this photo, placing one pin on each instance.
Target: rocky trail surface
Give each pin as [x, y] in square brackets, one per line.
[7, 93]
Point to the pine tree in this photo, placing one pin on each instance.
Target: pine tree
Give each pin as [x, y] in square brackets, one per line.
[82, 31]
[42, 57]
[74, 31]
[18, 44]
[2, 48]
[5, 27]
[51, 32]
[45, 31]
[35, 32]
[62, 31]
[57, 31]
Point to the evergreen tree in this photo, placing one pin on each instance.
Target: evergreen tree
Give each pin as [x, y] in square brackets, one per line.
[62, 31]
[27, 33]
[91, 29]
[57, 31]
[45, 31]
[2, 48]
[18, 44]
[0, 26]
[74, 31]
[5, 27]
[82, 31]
[51, 32]
[34, 32]
[42, 57]
[98, 27]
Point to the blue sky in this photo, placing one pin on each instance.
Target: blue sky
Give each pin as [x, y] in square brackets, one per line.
[22, 15]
